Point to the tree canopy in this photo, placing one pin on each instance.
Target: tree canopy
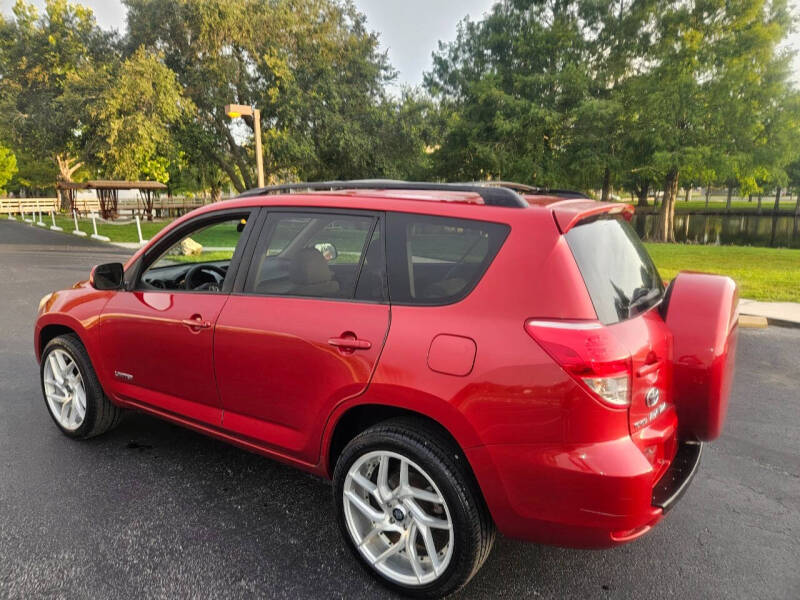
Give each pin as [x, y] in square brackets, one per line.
[593, 94]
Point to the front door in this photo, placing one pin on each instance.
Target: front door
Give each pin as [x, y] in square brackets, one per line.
[158, 337]
[306, 331]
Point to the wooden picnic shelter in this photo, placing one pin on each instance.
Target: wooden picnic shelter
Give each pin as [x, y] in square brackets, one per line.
[108, 194]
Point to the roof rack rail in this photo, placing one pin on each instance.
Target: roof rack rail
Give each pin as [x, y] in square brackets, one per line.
[534, 191]
[492, 196]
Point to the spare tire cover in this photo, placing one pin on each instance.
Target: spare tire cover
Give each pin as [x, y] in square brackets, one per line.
[702, 314]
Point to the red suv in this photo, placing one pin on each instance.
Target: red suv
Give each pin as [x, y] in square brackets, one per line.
[457, 358]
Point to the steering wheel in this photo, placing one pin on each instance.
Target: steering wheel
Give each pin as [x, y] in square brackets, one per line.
[212, 279]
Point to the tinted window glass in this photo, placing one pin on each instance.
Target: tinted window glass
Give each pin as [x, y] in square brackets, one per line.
[197, 262]
[372, 281]
[310, 254]
[619, 274]
[437, 260]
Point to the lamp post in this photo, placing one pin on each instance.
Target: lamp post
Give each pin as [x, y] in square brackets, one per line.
[242, 110]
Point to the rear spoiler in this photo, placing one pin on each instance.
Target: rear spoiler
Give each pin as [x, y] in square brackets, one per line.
[569, 213]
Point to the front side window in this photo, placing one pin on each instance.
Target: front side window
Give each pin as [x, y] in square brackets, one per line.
[314, 255]
[438, 260]
[199, 260]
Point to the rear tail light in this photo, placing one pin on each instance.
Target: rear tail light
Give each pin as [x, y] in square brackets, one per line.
[591, 354]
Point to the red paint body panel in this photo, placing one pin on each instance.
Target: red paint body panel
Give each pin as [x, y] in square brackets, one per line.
[703, 315]
[171, 364]
[278, 376]
[555, 463]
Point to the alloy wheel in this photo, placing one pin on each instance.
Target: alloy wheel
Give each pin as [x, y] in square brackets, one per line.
[398, 518]
[64, 389]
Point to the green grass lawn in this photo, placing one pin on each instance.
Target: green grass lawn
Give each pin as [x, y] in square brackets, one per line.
[769, 274]
[117, 233]
[788, 206]
[695, 206]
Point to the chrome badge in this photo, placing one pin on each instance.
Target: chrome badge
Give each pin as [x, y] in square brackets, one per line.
[653, 397]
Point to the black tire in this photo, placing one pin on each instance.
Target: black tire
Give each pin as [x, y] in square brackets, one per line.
[425, 445]
[101, 414]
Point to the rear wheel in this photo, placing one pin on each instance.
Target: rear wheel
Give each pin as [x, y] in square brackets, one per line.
[72, 392]
[409, 509]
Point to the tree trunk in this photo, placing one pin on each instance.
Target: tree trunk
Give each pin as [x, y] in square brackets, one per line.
[730, 197]
[759, 204]
[775, 215]
[777, 206]
[666, 229]
[688, 197]
[642, 194]
[750, 198]
[797, 204]
[606, 185]
[66, 169]
[708, 194]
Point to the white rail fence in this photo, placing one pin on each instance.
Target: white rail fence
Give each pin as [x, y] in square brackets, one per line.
[162, 207]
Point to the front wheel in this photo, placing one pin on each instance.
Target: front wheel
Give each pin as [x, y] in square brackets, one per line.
[72, 392]
[410, 510]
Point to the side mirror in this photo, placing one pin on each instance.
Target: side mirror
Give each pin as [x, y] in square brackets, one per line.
[328, 250]
[110, 276]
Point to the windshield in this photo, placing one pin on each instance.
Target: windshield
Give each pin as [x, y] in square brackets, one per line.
[619, 273]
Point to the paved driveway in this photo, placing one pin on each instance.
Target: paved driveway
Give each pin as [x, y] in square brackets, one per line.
[151, 510]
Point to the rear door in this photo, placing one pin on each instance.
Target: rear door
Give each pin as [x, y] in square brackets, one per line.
[305, 329]
[626, 291]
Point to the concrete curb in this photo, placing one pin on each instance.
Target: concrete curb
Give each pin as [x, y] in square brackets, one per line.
[752, 322]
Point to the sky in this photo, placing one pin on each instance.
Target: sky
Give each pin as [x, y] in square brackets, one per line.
[409, 29]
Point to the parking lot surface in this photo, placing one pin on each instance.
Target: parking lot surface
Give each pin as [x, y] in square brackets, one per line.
[151, 510]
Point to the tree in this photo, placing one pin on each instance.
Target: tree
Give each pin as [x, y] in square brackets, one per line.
[310, 65]
[8, 166]
[703, 98]
[39, 56]
[510, 86]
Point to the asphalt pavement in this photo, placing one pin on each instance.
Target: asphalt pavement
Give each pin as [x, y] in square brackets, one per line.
[151, 510]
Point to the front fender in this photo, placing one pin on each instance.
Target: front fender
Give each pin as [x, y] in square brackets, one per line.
[79, 310]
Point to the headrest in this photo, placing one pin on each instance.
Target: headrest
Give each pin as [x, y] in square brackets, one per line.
[308, 267]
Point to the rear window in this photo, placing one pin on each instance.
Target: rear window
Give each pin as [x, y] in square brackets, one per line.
[619, 273]
[438, 260]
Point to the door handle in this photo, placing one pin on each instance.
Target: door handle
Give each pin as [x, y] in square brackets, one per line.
[196, 322]
[350, 343]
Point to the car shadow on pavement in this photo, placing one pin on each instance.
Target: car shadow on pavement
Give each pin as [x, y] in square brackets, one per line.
[255, 527]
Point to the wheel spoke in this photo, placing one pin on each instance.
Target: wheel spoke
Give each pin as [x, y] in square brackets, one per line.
[411, 550]
[425, 495]
[373, 533]
[383, 477]
[404, 474]
[367, 485]
[361, 505]
[55, 368]
[59, 399]
[65, 410]
[390, 551]
[80, 402]
[423, 518]
[62, 363]
[430, 547]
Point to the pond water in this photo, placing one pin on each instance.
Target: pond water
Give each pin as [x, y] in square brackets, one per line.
[742, 230]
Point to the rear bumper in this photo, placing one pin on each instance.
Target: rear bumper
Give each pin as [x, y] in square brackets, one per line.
[595, 496]
[677, 478]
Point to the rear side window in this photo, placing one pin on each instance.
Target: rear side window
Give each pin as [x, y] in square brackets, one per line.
[438, 260]
[619, 273]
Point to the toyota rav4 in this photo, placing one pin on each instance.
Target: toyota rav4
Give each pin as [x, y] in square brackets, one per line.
[459, 359]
